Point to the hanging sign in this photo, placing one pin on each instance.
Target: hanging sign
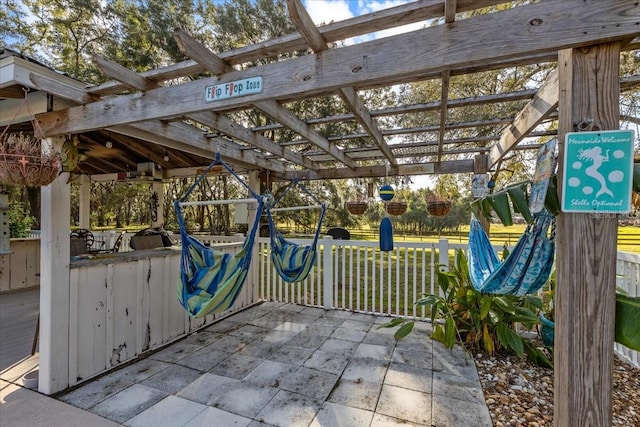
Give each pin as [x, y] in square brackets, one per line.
[544, 169]
[233, 89]
[479, 185]
[598, 171]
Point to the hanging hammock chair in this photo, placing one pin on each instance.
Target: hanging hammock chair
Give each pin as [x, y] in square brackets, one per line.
[526, 268]
[211, 280]
[293, 261]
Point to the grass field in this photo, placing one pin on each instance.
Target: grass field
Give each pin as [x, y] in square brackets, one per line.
[628, 236]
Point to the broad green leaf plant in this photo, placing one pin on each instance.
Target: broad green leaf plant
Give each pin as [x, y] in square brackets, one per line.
[478, 321]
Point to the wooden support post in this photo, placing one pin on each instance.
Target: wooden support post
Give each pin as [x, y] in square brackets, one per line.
[480, 163]
[157, 187]
[586, 251]
[55, 308]
[84, 202]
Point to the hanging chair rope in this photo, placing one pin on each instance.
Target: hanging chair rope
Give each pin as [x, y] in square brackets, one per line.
[293, 261]
[211, 280]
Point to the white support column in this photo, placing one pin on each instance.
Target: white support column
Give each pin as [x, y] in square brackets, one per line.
[54, 282]
[327, 273]
[443, 255]
[158, 188]
[84, 202]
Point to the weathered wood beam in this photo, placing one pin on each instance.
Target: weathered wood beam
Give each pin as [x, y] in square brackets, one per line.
[586, 252]
[316, 41]
[450, 8]
[453, 166]
[449, 17]
[128, 77]
[444, 97]
[541, 27]
[544, 103]
[194, 49]
[191, 142]
[416, 108]
[183, 137]
[12, 92]
[340, 30]
[413, 149]
[213, 120]
[235, 130]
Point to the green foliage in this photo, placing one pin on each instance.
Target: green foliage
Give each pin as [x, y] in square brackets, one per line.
[628, 321]
[19, 222]
[479, 321]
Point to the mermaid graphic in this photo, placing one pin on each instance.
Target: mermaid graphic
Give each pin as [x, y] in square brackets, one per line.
[595, 155]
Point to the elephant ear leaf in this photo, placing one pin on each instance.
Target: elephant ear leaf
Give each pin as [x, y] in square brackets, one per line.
[628, 321]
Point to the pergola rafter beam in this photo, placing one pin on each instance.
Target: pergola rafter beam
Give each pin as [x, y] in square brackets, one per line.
[417, 54]
[449, 17]
[194, 49]
[452, 166]
[156, 131]
[340, 30]
[317, 43]
[213, 120]
[544, 103]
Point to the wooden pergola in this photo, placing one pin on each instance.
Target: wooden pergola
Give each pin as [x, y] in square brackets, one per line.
[185, 108]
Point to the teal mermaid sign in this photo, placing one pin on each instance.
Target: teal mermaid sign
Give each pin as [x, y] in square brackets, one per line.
[598, 172]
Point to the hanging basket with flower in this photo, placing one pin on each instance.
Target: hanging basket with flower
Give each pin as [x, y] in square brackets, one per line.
[437, 206]
[24, 162]
[23, 159]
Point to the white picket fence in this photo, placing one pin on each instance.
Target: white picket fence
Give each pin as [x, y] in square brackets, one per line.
[357, 276]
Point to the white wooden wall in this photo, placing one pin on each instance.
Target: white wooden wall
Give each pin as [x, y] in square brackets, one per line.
[20, 269]
[124, 307]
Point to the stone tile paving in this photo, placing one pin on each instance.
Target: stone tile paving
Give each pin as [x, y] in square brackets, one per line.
[288, 365]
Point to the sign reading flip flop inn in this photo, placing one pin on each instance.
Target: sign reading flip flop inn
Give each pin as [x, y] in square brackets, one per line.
[233, 89]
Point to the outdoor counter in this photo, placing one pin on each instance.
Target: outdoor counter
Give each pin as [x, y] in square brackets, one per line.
[125, 304]
[118, 257]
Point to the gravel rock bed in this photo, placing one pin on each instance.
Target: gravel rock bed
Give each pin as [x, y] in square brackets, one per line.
[519, 393]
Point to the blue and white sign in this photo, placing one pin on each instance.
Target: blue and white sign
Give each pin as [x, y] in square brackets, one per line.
[598, 171]
[232, 89]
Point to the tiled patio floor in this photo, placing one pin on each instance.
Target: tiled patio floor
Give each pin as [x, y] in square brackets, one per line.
[289, 365]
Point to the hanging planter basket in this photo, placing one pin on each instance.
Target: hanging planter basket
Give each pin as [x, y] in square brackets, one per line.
[356, 208]
[438, 207]
[23, 163]
[396, 208]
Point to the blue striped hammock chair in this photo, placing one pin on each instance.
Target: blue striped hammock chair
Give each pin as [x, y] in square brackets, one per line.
[211, 280]
[293, 261]
[526, 268]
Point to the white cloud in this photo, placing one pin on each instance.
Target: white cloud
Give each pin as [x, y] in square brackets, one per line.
[326, 11]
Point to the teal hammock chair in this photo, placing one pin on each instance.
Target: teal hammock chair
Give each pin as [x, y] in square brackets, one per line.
[526, 268]
[211, 280]
[293, 261]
